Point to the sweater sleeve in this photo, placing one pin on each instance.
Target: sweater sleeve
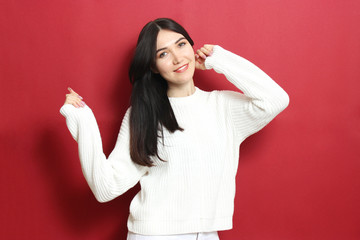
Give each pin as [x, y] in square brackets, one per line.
[262, 100]
[107, 178]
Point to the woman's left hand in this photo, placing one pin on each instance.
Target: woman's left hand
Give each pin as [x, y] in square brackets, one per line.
[201, 55]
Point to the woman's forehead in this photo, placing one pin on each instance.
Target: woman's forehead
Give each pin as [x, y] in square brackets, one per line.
[166, 38]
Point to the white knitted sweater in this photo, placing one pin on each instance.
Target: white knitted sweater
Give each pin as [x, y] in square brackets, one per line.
[194, 190]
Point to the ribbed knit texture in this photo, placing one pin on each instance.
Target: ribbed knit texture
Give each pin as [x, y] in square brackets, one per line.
[194, 190]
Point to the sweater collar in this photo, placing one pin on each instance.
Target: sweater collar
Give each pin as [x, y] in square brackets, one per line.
[185, 100]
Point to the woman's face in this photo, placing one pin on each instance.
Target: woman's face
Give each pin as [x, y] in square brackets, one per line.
[175, 58]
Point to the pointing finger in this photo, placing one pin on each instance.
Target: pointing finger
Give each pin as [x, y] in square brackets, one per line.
[73, 92]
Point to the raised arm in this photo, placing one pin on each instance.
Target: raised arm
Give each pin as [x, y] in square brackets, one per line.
[107, 178]
[262, 100]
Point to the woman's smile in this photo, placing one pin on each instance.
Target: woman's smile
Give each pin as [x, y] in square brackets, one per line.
[183, 68]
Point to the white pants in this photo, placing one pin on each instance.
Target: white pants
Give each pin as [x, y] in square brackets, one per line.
[188, 236]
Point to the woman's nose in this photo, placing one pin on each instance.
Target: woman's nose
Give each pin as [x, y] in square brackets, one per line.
[176, 58]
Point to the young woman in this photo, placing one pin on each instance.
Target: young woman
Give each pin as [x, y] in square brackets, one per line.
[180, 142]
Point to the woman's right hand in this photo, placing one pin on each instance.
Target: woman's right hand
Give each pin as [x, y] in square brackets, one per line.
[202, 54]
[74, 99]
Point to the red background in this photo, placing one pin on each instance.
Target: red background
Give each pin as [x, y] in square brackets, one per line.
[298, 178]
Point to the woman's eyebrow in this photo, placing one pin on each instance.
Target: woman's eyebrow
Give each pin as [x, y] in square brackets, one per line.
[175, 43]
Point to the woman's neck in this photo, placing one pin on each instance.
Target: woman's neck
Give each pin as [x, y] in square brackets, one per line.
[181, 90]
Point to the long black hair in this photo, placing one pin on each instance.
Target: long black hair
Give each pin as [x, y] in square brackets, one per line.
[150, 106]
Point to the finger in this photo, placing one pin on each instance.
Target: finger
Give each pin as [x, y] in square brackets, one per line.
[201, 54]
[70, 90]
[205, 51]
[198, 59]
[73, 92]
[79, 104]
[209, 47]
[75, 104]
[74, 100]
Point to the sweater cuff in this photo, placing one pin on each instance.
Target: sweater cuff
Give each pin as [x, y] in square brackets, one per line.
[74, 116]
[66, 110]
[69, 111]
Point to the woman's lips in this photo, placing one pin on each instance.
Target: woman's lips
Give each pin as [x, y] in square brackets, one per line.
[181, 69]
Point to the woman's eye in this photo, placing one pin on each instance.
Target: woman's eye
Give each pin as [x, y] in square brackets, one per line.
[182, 44]
[163, 54]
